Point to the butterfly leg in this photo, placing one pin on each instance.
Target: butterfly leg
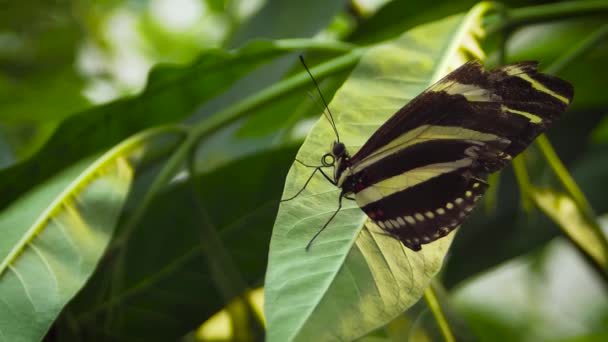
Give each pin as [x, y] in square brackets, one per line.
[304, 187]
[326, 223]
[317, 168]
[307, 165]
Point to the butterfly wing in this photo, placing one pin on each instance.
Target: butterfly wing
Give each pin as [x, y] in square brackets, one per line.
[420, 174]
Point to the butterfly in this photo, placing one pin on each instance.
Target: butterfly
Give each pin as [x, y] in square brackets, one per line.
[419, 176]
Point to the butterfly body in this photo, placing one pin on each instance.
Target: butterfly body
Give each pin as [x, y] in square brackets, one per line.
[421, 173]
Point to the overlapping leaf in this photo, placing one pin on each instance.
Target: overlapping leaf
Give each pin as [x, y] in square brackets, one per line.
[53, 237]
[354, 280]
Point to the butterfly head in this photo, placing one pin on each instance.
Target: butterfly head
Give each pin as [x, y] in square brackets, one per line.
[338, 150]
[337, 154]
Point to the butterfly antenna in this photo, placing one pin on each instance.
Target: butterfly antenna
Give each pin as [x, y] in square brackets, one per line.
[331, 117]
[316, 102]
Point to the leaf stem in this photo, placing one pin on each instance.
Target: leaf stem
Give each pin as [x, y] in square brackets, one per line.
[542, 13]
[574, 191]
[227, 116]
[521, 175]
[207, 127]
[431, 299]
[224, 272]
[551, 156]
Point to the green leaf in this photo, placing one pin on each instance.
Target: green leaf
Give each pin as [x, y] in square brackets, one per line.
[280, 19]
[53, 237]
[563, 210]
[353, 279]
[398, 16]
[592, 337]
[173, 93]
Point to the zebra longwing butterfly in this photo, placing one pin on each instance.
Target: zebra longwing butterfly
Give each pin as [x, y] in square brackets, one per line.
[419, 176]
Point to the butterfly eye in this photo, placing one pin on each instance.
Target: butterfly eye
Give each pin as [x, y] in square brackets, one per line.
[328, 160]
[338, 149]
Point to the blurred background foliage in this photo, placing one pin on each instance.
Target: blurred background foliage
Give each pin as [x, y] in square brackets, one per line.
[80, 76]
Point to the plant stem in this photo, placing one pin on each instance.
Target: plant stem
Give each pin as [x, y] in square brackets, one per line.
[316, 44]
[537, 14]
[227, 116]
[431, 299]
[224, 272]
[551, 156]
[573, 190]
[210, 125]
[521, 175]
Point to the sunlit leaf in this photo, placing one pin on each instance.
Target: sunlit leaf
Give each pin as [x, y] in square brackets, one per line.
[353, 279]
[53, 237]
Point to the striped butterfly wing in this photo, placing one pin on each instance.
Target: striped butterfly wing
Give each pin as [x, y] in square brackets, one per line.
[420, 174]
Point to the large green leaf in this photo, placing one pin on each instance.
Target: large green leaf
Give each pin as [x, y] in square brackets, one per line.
[53, 237]
[172, 94]
[353, 279]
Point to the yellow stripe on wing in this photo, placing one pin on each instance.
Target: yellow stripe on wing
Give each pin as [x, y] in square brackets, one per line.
[518, 72]
[422, 134]
[407, 179]
[471, 92]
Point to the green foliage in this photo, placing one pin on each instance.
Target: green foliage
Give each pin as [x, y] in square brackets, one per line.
[142, 217]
